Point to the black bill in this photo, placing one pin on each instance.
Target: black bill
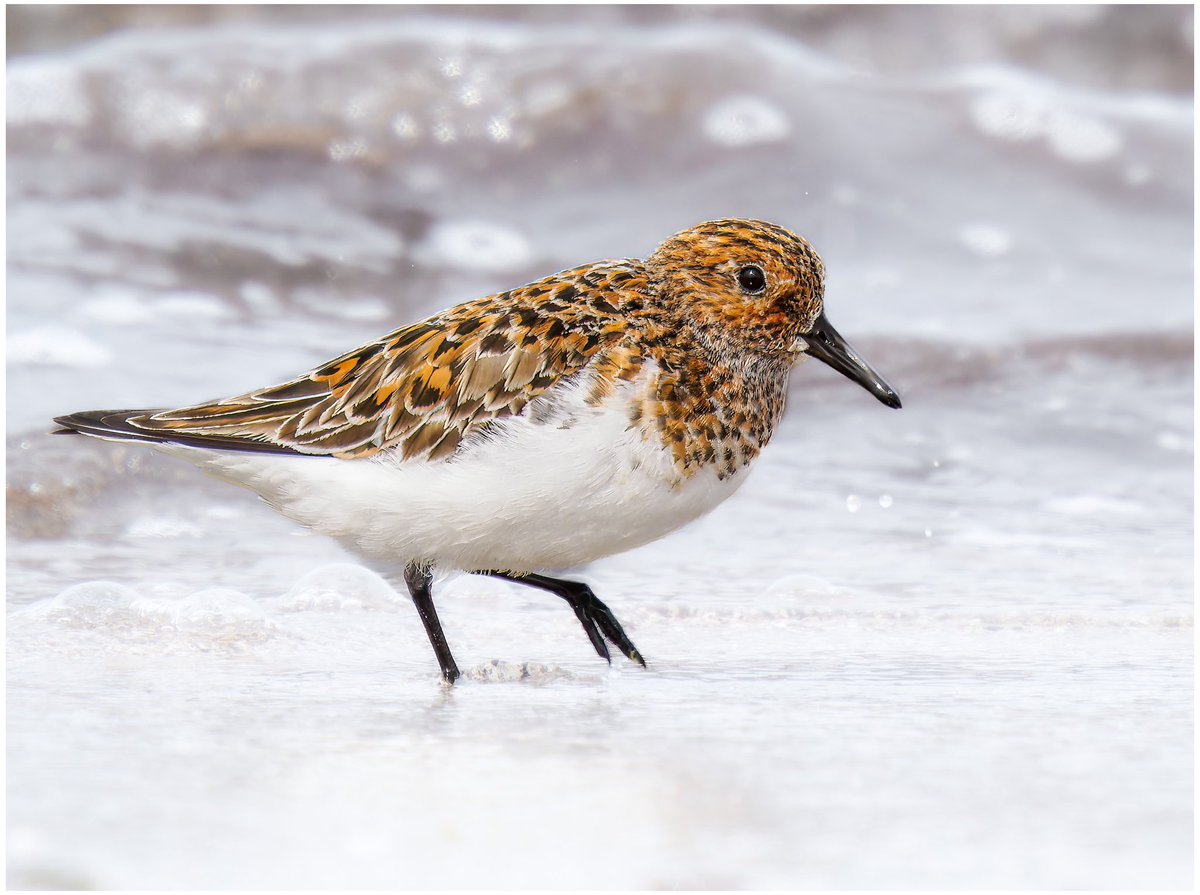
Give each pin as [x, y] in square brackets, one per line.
[826, 344]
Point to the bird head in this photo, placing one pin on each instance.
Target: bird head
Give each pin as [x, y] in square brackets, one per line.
[752, 287]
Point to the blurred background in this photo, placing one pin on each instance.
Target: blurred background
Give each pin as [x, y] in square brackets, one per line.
[949, 646]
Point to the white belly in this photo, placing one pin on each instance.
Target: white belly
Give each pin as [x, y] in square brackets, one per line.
[531, 496]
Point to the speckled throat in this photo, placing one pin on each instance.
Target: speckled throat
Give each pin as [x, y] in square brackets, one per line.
[717, 415]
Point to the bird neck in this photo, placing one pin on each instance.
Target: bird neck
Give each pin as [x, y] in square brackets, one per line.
[712, 407]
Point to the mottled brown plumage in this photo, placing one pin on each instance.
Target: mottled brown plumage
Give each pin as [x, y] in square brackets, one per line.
[421, 389]
[721, 358]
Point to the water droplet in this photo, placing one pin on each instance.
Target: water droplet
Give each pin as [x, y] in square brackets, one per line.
[885, 500]
[853, 502]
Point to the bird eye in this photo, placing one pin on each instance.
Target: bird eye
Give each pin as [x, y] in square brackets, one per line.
[752, 279]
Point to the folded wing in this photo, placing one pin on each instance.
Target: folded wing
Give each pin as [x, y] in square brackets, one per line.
[419, 390]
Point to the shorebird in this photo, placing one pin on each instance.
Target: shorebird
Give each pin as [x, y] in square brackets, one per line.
[538, 429]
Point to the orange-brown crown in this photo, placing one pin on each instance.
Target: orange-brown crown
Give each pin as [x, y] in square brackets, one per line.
[707, 273]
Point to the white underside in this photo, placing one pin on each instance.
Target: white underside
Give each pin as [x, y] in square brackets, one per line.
[530, 496]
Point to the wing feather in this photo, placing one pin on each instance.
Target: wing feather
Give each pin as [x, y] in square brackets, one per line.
[422, 389]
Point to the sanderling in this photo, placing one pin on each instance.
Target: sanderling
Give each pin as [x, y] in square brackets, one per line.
[534, 430]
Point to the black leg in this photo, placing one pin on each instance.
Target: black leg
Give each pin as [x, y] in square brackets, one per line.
[596, 618]
[419, 581]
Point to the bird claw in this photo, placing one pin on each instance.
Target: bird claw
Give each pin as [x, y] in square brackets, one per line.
[611, 628]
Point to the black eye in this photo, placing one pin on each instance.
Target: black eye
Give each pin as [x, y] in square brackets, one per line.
[752, 279]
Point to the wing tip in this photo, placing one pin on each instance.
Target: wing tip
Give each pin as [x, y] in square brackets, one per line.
[116, 425]
[103, 424]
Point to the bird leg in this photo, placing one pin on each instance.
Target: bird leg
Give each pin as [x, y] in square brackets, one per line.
[596, 618]
[420, 587]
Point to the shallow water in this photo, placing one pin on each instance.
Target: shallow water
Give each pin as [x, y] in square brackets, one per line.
[946, 646]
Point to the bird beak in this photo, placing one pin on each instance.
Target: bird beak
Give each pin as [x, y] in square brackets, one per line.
[826, 344]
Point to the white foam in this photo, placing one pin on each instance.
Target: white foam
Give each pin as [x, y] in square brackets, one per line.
[745, 121]
[56, 346]
[500, 129]
[339, 586]
[1173, 441]
[1008, 116]
[207, 617]
[260, 298]
[155, 114]
[120, 309]
[1038, 95]
[292, 227]
[986, 240]
[1092, 505]
[193, 304]
[213, 611]
[477, 245]
[1073, 130]
[406, 127]
[163, 527]
[90, 604]
[1077, 137]
[348, 150]
[366, 309]
[497, 671]
[45, 90]
[803, 587]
